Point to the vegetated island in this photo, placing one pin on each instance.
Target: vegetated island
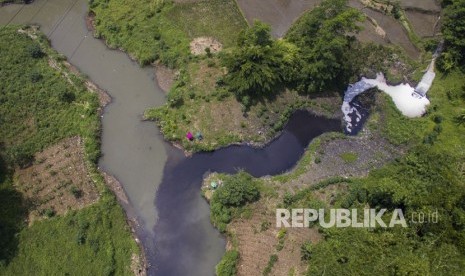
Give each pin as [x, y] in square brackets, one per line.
[57, 214]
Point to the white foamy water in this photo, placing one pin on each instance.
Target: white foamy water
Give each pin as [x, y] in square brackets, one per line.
[411, 102]
[404, 97]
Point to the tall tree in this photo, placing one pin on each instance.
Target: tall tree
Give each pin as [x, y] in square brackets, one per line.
[453, 30]
[255, 66]
[324, 35]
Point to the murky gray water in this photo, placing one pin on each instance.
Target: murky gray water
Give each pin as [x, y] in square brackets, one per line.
[184, 241]
[134, 151]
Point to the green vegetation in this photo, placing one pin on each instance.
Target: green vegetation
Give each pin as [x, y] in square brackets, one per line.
[258, 64]
[349, 157]
[325, 38]
[273, 259]
[429, 178]
[162, 30]
[227, 265]
[235, 192]
[454, 35]
[39, 107]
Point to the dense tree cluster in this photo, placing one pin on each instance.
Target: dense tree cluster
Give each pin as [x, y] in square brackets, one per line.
[256, 65]
[453, 31]
[310, 58]
[324, 37]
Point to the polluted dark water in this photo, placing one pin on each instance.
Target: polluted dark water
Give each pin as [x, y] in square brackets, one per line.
[182, 241]
[185, 241]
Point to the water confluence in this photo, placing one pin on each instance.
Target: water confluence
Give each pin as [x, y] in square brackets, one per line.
[163, 186]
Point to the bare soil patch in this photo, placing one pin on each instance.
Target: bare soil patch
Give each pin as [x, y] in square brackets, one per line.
[199, 45]
[371, 152]
[424, 25]
[395, 33]
[58, 181]
[257, 239]
[424, 5]
[280, 14]
[165, 76]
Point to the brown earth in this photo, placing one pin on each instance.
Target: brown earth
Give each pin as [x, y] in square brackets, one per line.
[372, 152]
[58, 180]
[424, 25]
[424, 5]
[199, 45]
[165, 76]
[257, 239]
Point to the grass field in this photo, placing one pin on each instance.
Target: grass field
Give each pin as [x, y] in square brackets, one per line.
[40, 107]
[151, 30]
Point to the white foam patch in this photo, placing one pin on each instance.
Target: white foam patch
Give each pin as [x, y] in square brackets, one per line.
[404, 97]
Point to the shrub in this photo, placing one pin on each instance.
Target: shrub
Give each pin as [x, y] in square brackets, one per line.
[20, 157]
[49, 212]
[35, 51]
[77, 193]
[273, 259]
[80, 238]
[306, 251]
[35, 77]
[236, 191]
[67, 96]
[227, 265]
[349, 157]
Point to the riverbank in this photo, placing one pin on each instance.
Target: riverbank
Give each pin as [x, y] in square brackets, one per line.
[69, 72]
[51, 114]
[196, 103]
[356, 172]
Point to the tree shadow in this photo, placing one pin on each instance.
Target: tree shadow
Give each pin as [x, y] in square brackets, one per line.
[12, 215]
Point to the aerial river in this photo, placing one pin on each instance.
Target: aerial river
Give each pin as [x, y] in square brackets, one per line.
[163, 186]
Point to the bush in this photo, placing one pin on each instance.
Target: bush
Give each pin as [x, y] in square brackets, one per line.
[273, 259]
[49, 213]
[20, 157]
[35, 51]
[236, 191]
[227, 265]
[77, 193]
[306, 251]
[36, 77]
[67, 96]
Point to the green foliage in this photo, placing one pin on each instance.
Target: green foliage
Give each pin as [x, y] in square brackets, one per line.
[460, 118]
[306, 251]
[162, 30]
[255, 66]
[35, 51]
[236, 191]
[429, 178]
[273, 259]
[397, 128]
[325, 37]
[281, 239]
[227, 265]
[349, 157]
[35, 113]
[76, 192]
[454, 35]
